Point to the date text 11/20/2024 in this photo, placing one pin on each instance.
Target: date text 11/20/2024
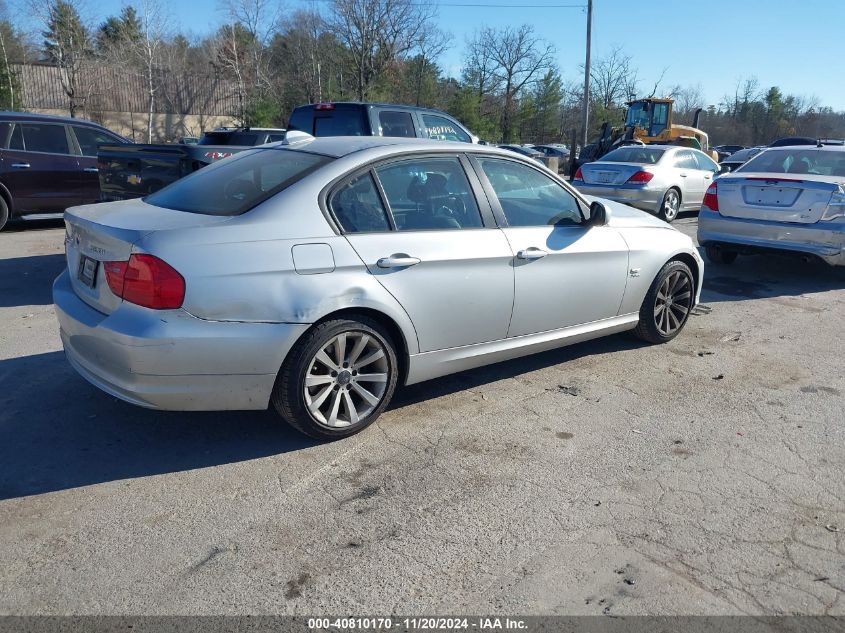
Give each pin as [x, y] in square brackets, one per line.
[416, 624]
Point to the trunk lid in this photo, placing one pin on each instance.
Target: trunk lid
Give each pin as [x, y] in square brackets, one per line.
[798, 198]
[107, 232]
[600, 173]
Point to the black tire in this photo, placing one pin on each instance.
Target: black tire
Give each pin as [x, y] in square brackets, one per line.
[648, 328]
[670, 206]
[4, 213]
[719, 255]
[289, 397]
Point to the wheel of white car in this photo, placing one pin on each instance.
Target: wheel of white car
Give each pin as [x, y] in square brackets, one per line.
[338, 378]
[667, 304]
[671, 205]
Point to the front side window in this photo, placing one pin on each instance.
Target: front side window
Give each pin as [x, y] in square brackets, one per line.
[430, 193]
[442, 129]
[16, 140]
[236, 184]
[44, 137]
[529, 197]
[358, 208]
[89, 138]
[396, 124]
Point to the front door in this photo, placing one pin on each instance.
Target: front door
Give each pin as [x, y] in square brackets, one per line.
[40, 168]
[430, 249]
[566, 273]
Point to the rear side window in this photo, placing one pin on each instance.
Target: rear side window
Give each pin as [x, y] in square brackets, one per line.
[396, 124]
[89, 139]
[357, 206]
[236, 184]
[685, 160]
[705, 163]
[41, 137]
[442, 129]
[429, 194]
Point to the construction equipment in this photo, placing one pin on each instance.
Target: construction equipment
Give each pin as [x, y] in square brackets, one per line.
[648, 121]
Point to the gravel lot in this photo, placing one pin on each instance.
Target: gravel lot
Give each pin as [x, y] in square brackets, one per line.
[700, 477]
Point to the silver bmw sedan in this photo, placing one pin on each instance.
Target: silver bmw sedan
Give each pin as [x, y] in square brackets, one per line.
[316, 275]
[661, 179]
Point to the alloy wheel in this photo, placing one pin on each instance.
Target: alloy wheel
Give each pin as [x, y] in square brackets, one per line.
[671, 205]
[347, 379]
[673, 303]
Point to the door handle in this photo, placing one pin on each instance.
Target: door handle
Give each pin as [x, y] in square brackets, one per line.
[20, 165]
[397, 260]
[531, 253]
[707, 176]
[683, 175]
[91, 170]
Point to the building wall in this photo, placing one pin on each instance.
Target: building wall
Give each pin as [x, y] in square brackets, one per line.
[167, 127]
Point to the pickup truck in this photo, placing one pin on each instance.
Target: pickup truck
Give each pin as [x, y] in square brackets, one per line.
[136, 170]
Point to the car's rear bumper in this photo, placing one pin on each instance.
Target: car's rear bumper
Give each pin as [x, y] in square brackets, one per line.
[169, 359]
[632, 195]
[825, 240]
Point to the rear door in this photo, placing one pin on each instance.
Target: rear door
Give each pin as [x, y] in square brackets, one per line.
[693, 183]
[419, 227]
[86, 183]
[40, 167]
[566, 273]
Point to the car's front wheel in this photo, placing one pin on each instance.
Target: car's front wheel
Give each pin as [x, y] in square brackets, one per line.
[667, 304]
[338, 378]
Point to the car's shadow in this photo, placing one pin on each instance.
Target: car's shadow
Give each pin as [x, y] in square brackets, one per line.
[767, 276]
[28, 281]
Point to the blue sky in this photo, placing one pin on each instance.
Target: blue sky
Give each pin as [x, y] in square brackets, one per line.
[713, 43]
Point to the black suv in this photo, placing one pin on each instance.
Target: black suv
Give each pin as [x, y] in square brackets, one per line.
[48, 163]
[377, 119]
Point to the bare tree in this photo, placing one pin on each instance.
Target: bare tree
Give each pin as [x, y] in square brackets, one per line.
[613, 79]
[259, 19]
[67, 43]
[480, 67]
[431, 44]
[302, 43]
[376, 33]
[521, 59]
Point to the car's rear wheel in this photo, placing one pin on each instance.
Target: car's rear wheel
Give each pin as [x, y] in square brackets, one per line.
[338, 378]
[667, 304]
[719, 255]
[4, 213]
[671, 205]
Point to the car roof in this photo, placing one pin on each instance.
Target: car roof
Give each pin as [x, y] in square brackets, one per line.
[376, 104]
[824, 148]
[53, 118]
[339, 146]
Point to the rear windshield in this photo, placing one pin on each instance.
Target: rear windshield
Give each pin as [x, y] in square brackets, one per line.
[798, 160]
[635, 154]
[341, 121]
[245, 139]
[236, 184]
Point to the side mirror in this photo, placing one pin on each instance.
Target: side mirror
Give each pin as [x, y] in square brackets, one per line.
[598, 214]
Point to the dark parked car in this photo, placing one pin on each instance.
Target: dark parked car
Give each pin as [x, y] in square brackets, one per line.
[525, 151]
[726, 150]
[377, 119]
[48, 163]
[805, 140]
[739, 158]
[135, 170]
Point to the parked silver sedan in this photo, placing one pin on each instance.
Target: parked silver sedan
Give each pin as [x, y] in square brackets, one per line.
[784, 199]
[660, 179]
[319, 274]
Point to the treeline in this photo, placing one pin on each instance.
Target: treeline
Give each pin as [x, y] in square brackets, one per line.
[510, 88]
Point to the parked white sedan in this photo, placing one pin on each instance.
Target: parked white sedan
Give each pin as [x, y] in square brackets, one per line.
[660, 179]
[784, 199]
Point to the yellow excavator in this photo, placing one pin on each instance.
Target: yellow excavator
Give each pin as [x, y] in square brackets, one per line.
[648, 121]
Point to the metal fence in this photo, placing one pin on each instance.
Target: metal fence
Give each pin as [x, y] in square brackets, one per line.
[103, 88]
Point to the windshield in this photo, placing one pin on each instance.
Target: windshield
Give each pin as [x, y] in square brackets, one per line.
[638, 115]
[635, 154]
[246, 139]
[237, 184]
[798, 160]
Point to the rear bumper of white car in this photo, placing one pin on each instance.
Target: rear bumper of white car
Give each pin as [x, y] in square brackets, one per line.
[634, 195]
[825, 240]
[169, 359]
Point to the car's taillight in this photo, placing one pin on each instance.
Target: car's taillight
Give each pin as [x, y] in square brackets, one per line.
[641, 178]
[836, 206]
[578, 175]
[146, 281]
[711, 198]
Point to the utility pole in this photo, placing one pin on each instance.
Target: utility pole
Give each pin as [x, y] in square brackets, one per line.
[585, 111]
